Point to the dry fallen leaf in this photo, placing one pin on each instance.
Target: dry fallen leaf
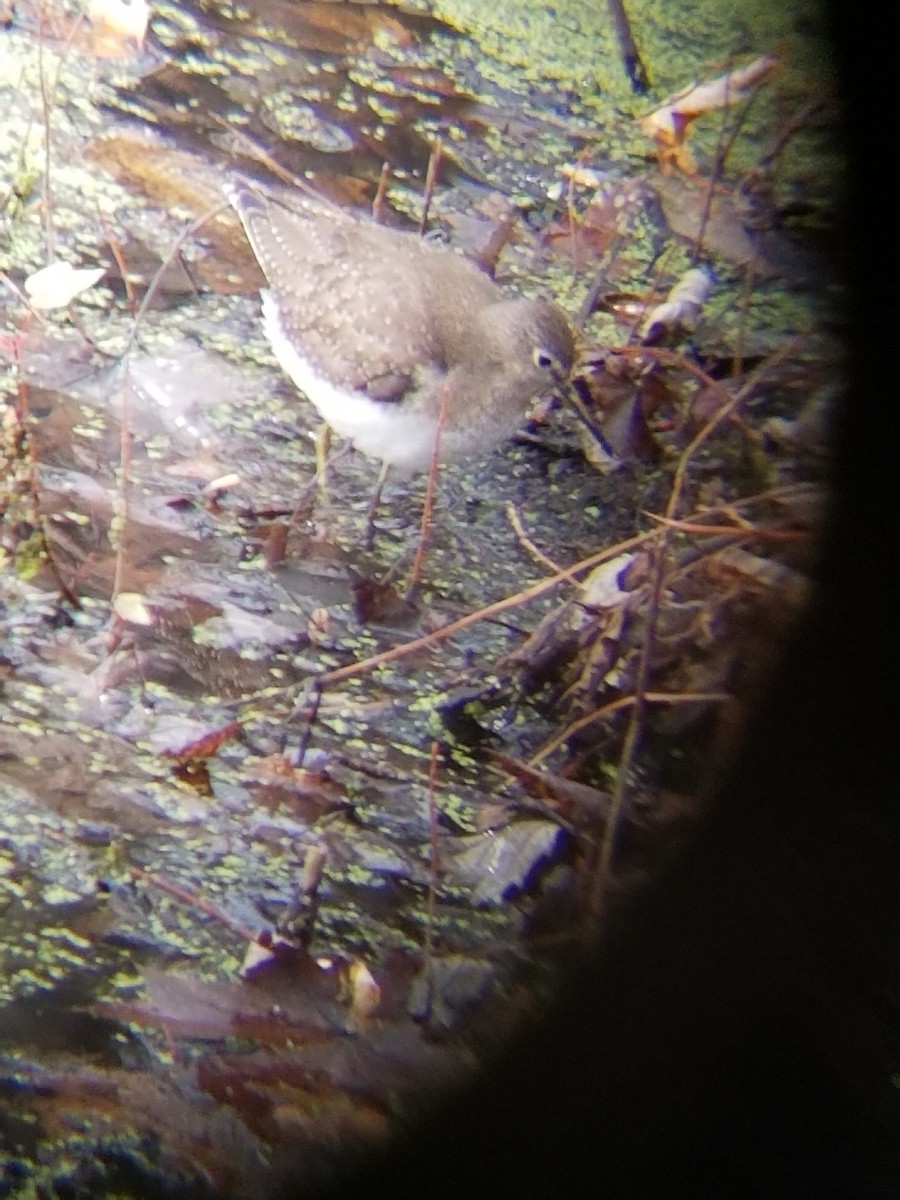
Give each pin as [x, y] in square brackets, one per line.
[57, 285]
[365, 994]
[132, 607]
[668, 124]
[681, 307]
[117, 24]
[204, 746]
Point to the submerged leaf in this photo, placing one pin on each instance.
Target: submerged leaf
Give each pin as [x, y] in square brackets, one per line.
[497, 863]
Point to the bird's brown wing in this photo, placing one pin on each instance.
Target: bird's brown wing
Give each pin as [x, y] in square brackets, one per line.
[352, 303]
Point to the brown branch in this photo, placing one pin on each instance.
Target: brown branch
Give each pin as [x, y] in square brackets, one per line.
[512, 514]
[619, 704]
[483, 614]
[631, 57]
[602, 867]
[156, 281]
[433, 854]
[774, 535]
[431, 174]
[379, 200]
[186, 896]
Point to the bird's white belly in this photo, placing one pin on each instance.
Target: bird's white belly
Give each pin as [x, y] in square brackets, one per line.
[386, 430]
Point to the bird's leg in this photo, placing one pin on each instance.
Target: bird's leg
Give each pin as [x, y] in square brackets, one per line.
[319, 480]
[323, 445]
[372, 510]
[428, 506]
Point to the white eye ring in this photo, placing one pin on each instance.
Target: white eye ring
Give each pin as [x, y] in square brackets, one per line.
[543, 359]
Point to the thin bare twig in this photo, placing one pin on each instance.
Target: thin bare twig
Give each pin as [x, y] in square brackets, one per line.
[48, 99]
[725, 140]
[122, 494]
[379, 201]
[631, 57]
[431, 174]
[363, 666]
[185, 896]
[428, 506]
[433, 857]
[27, 444]
[156, 281]
[512, 514]
[740, 531]
[618, 705]
[602, 867]
[115, 250]
[46, 194]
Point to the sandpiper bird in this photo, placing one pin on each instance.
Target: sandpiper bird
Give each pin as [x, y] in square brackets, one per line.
[399, 345]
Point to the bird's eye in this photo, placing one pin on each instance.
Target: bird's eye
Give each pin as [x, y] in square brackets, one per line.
[544, 360]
